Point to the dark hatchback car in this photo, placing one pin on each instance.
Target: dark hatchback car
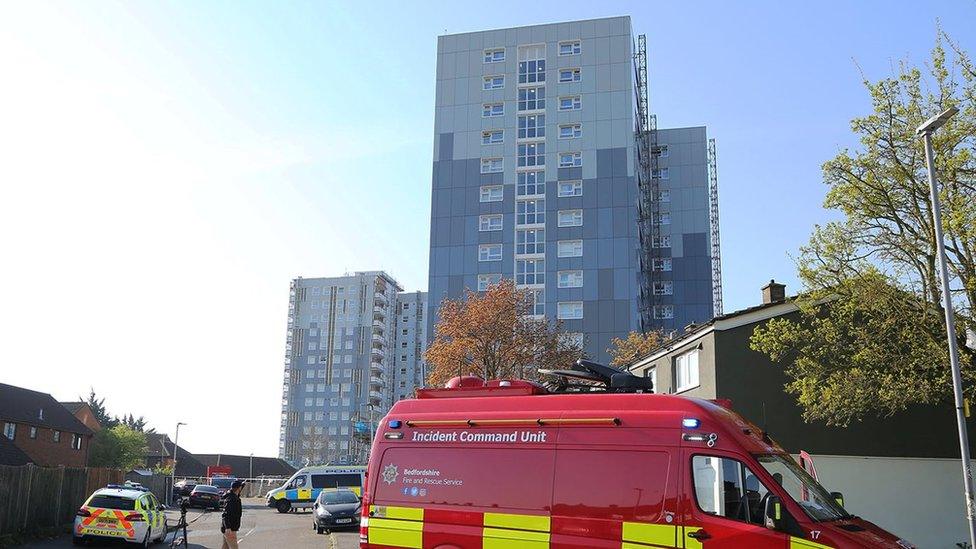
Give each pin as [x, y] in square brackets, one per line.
[336, 509]
[222, 483]
[205, 496]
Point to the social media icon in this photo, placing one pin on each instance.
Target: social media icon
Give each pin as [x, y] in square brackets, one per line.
[414, 491]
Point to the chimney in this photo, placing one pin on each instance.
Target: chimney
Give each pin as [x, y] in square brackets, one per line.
[773, 292]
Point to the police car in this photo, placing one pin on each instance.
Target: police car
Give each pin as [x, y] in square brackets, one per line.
[128, 513]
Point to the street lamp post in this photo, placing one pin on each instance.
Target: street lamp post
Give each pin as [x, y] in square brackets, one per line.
[172, 477]
[925, 131]
[250, 467]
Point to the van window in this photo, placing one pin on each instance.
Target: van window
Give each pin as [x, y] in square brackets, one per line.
[341, 480]
[613, 485]
[727, 488]
[469, 477]
[298, 482]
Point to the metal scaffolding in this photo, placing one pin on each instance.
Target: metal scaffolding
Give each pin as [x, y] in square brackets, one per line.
[713, 230]
[645, 135]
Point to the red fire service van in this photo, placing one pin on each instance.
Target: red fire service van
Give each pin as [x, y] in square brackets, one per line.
[513, 465]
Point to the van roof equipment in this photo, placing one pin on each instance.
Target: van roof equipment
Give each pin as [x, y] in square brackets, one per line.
[601, 378]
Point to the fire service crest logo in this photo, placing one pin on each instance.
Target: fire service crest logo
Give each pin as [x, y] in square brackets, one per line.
[390, 473]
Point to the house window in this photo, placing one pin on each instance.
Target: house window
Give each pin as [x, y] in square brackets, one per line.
[665, 287]
[570, 103]
[484, 281]
[531, 126]
[570, 188]
[664, 311]
[491, 193]
[530, 212]
[686, 371]
[569, 310]
[570, 159]
[531, 154]
[492, 137]
[494, 82]
[652, 373]
[492, 165]
[76, 441]
[661, 173]
[10, 430]
[569, 75]
[662, 218]
[570, 218]
[33, 432]
[570, 131]
[494, 55]
[531, 99]
[530, 241]
[530, 271]
[661, 264]
[57, 436]
[532, 64]
[490, 252]
[662, 151]
[537, 301]
[490, 222]
[531, 183]
[571, 47]
[570, 279]
[663, 241]
[569, 248]
[493, 109]
[663, 195]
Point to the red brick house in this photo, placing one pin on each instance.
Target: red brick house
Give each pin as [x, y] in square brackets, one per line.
[42, 428]
[84, 413]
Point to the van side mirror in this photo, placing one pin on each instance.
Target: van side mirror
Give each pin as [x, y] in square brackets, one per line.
[838, 497]
[774, 513]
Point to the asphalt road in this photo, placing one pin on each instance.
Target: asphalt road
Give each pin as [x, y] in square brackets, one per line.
[260, 527]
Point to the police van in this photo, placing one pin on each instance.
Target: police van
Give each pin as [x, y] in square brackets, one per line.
[510, 464]
[301, 490]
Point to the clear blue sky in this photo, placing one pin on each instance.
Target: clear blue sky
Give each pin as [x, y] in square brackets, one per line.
[170, 166]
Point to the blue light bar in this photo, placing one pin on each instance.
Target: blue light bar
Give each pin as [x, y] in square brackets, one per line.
[690, 423]
[394, 424]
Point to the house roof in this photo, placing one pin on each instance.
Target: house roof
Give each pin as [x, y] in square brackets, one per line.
[73, 407]
[10, 454]
[749, 315]
[241, 465]
[21, 405]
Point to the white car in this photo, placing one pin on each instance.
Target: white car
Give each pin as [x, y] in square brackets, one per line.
[120, 512]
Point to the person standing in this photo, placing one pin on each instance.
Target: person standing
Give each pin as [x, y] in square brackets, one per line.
[230, 521]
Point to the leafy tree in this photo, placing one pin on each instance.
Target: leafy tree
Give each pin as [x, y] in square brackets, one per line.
[99, 410]
[634, 347]
[119, 447]
[870, 337]
[495, 335]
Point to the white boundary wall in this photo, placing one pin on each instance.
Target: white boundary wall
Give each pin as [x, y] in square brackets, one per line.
[919, 499]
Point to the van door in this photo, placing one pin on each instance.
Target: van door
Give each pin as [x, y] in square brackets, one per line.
[724, 504]
[301, 490]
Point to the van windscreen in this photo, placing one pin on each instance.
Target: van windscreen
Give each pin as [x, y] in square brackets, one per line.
[516, 478]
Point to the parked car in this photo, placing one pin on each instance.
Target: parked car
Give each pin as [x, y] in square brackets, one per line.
[223, 483]
[205, 496]
[335, 508]
[184, 487]
[120, 512]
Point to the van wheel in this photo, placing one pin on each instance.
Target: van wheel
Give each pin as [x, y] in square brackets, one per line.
[283, 505]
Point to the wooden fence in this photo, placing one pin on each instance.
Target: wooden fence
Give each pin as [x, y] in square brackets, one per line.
[34, 498]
